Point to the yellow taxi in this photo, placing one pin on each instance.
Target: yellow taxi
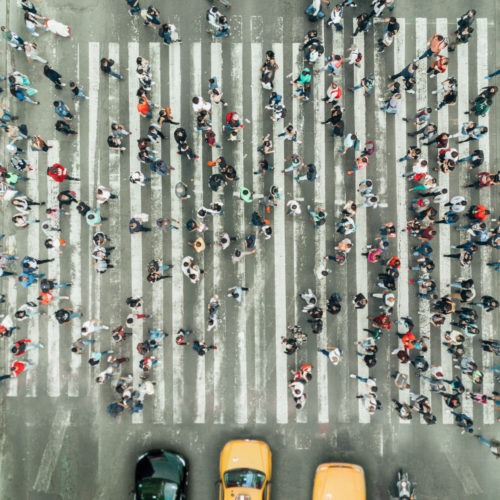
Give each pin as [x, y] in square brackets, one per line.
[339, 481]
[245, 470]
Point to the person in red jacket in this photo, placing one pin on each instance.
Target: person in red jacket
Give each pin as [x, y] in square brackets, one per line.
[17, 367]
[438, 66]
[426, 233]
[382, 321]
[59, 173]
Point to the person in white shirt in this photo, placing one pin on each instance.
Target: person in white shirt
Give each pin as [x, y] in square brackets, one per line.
[334, 354]
[103, 195]
[336, 17]
[199, 104]
[92, 326]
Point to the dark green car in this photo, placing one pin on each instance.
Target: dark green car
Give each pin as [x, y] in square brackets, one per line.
[161, 475]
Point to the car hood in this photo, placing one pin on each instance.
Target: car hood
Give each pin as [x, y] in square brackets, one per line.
[243, 494]
[246, 454]
[338, 484]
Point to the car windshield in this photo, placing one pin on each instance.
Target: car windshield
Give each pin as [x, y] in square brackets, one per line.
[157, 489]
[244, 478]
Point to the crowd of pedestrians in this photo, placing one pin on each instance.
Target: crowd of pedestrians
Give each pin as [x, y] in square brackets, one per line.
[462, 305]
[430, 204]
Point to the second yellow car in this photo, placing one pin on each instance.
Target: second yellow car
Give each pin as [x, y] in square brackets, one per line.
[245, 470]
[339, 481]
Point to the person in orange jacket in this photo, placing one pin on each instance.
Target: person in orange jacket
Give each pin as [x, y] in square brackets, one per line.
[478, 212]
[434, 47]
[408, 340]
[144, 107]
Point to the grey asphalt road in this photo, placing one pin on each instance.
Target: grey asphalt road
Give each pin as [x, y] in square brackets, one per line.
[66, 447]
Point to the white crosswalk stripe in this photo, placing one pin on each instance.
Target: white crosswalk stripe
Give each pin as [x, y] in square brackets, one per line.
[402, 199]
[255, 390]
[175, 87]
[485, 198]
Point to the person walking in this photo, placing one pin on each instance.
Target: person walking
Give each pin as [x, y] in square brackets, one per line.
[392, 105]
[151, 17]
[135, 7]
[168, 32]
[59, 173]
[53, 76]
[31, 53]
[334, 354]
[65, 315]
[62, 109]
[77, 91]
[20, 347]
[96, 357]
[136, 225]
[435, 45]
[407, 72]
[105, 67]
[493, 445]
[201, 347]
[237, 292]
[17, 367]
[463, 421]
[12, 38]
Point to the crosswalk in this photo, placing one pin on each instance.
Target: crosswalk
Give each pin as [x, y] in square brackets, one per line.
[245, 380]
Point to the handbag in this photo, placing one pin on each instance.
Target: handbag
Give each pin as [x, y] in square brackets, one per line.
[31, 91]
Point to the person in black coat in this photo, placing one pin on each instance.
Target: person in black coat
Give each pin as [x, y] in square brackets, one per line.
[53, 76]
